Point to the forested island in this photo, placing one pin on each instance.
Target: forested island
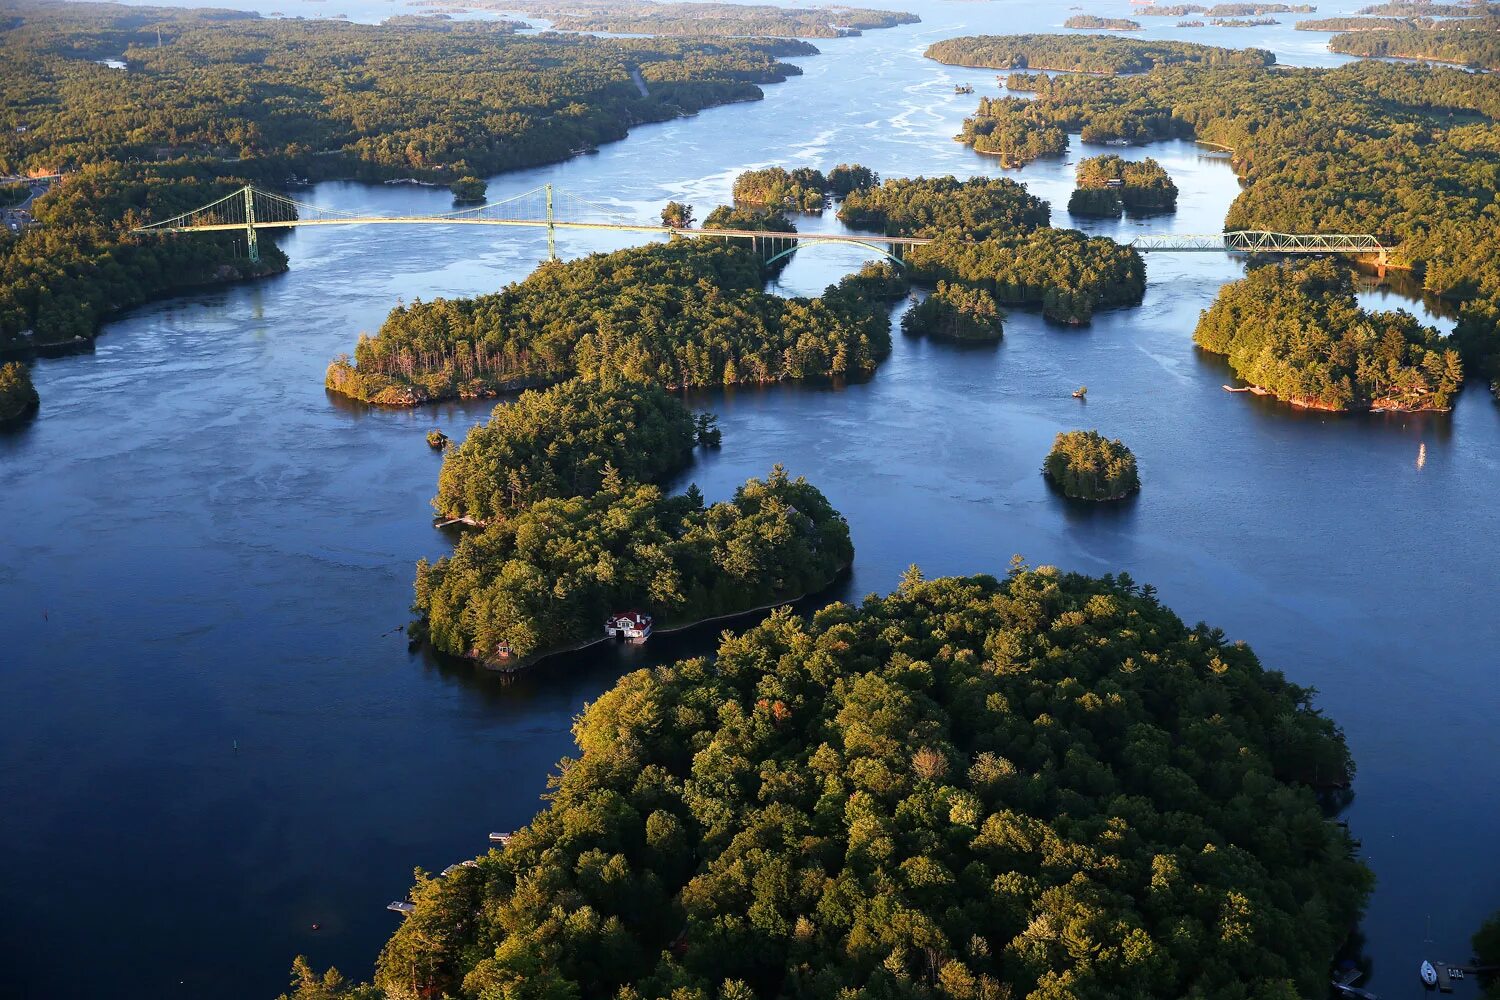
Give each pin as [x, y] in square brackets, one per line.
[801, 189]
[1305, 142]
[1101, 54]
[708, 20]
[1224, 9]
[1109, 185]
[544, 578]
[1473, 42]
[987, 784]
[18, 398]
[1432, 9]
[1094, 23]
[992, 234]
[1085, 465]
[211, 100]
[686, 313]
[1335, 24]
[1295, 330]
[955, 312]
[563, 442]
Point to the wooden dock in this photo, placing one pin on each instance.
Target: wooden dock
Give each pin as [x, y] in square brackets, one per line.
[501, 838]
[460, 864]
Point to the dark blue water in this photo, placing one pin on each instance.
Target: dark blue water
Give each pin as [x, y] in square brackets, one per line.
[212, 734]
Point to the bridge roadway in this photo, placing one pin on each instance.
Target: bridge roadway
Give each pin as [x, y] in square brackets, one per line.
[429, 220]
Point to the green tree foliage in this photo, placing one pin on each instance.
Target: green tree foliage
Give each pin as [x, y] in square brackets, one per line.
[1352, 24]
[709, 20]
[331, 985]
[1065, 272]
[1091, 22]
[558, 442]
[468, 189]
[1104, 203]
[546, 577]
[1086, 53]
[229, 98]
[1085, 465]
[677, 215]
[1225, 9]
[798, 190]
[955, 312]
[1408, 153]
[1038, 787]
[979, 208]
[847, 177]
[18, 398]
[1143, 186]
[1422, 9]
[1473, 42]
[686, 313]
[1296, 330]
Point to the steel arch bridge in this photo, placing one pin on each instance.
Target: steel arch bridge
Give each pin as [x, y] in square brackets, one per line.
[251, 209]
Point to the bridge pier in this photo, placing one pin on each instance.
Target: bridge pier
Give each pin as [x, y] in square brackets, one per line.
[250, 244]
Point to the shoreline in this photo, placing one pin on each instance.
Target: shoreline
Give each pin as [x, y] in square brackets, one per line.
[1304, 404]
[526, 663]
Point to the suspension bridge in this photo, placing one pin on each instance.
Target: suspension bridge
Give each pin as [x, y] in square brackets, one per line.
[251, 209]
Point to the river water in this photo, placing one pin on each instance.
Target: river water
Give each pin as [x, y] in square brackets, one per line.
[212, 735]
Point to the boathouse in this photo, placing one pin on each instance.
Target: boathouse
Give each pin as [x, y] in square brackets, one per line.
[628, 625]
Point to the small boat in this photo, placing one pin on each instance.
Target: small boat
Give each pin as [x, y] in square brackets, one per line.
[962, 88]
[402, 907]
[1080, 392]
[1428, 973]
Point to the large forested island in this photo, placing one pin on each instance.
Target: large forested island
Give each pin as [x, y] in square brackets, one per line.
[212, 99]
[991, 233]
[546, 577]
[687, 313]
[708, 20]
[563, 442]
[1038, 786]
[1320, 150]
[1086, 53]
[1471, 42]
[1296, 331]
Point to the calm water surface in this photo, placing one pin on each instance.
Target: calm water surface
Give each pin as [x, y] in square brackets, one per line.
[212, 735]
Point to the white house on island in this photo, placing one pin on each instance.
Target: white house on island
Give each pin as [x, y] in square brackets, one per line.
[633, 625]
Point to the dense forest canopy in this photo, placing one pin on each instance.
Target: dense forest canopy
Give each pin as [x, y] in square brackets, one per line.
[229, 98]
[18, 396]
[546, 577]
[1296, 330]
[1406, 152]
[1086, 53]
[801, 189]
[1035, 787]
[1487, 953]
[1089, 22]
[955, 312]
[1139, 186]
[978, 208]
[709, 20]
[1085, 465]
[1473, 42]
[686, 313]
[560, 442]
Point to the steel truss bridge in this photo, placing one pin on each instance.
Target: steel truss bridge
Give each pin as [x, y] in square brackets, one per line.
[1259, 241]
[251, 209]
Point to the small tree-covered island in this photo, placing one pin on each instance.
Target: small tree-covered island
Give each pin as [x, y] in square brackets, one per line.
[1038, 786]
[18, 397]
[1109, 186]
[1295, 330]
[1085, 465]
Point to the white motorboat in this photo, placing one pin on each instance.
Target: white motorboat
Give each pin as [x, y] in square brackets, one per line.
[1429, 974]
